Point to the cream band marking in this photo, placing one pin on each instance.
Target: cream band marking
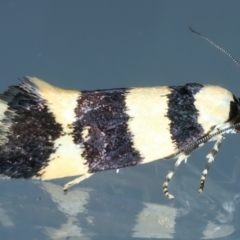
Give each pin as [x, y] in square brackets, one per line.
[4, 125]
[147, 109]
[66, 161]
[60, 102]
[212, 102]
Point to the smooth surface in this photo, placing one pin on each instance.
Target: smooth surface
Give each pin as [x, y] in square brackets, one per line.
[83, 45]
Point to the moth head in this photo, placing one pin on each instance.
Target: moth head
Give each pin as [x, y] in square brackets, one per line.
[234, 114]
[236, 124]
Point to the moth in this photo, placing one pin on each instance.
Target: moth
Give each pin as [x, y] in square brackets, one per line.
[48, 132]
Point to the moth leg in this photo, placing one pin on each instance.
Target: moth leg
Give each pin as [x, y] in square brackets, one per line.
[182, 157]
[210, 157]
[76, 181]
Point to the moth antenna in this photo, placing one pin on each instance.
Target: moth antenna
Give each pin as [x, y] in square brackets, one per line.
[217, 46]
[207, 138]
[189, 148]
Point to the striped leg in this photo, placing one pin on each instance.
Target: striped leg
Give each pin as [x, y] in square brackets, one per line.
[182, 157]
[76, 181]
[210, 157]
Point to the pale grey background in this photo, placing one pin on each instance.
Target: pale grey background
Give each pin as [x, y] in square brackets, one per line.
[108, 44]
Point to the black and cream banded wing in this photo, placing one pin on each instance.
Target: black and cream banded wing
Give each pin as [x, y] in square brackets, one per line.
[47, 132]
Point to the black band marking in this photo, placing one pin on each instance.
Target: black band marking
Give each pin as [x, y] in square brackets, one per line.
[107, 141]
[234, 111]
[184, 126]
[29, 140]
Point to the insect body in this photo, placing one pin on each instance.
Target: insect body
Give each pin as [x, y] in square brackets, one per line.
[48, 132]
